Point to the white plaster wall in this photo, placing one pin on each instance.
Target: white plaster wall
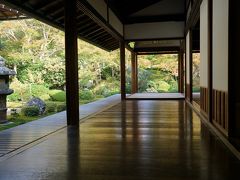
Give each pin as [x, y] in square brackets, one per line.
[100, 6]
[115, 22]
[204, 44]
[187, 58]
[154, 30]
[220, 45]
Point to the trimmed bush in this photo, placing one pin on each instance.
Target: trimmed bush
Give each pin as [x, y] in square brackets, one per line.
[30, 111]
[57, 95]
[86, 95]
[163, 86]
[61, 107]
[40, 91]
[50, 108]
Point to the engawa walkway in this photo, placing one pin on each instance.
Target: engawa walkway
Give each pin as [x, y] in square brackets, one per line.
[156, 96]
[18, 137]
[133, 140]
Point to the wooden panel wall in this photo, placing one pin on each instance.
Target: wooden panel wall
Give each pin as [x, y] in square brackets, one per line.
[220, 110]
[204, 101]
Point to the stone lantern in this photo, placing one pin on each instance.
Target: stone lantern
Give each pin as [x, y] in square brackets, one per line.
[4, 89]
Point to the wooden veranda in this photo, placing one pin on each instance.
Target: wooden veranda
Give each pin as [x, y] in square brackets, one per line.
[142, 139]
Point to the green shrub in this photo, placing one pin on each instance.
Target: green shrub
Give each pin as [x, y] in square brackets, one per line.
[14, 97]
[163, 86]
[25, 92]
[61, 107]
[50, 108]
[57, 95]
[86, 95]
[21, 91]
[30, 111]
[40, 91]
[106, 89]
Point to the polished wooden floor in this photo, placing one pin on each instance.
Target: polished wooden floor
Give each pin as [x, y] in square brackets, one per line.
[15, 139]
[134, 140]
[156, 96]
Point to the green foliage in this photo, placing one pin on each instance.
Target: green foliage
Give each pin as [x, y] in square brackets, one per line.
[143, 78]
[50, 108]
[158, 73]
[24, 92]
[54, 72]
[107, 88]
[40, 91]
[162, 86]
[14, 97]
[30, 111]
[61, 107]
[21, 91]
[57, 95]
[86, 95]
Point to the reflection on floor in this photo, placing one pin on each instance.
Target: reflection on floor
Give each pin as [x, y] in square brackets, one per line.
[159, 96]
[134, 140]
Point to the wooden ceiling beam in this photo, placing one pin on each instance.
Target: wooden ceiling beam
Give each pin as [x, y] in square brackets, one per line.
[97, 34]
[100, 37]
[45, 5]
[85, 26]
[89, 30]
[160, 18]
[157, 49]
[94, 32]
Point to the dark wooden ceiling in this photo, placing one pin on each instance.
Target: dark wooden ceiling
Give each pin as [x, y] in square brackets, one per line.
[124, 9]
[91, 30]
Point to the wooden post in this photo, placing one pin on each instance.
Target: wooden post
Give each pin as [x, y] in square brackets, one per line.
[190, 67]
[71, 54]
[233, 106]
[210, 65]
[180, 72]
[134, 72]
[185, 68]
[123, 70]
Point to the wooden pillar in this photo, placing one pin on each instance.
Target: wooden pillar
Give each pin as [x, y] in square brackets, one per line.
[134, 72]
[234, 73]
[190, 67]
[71, 54]
[123, 70]
[210, 64]
[180, 72]
[185, 68]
